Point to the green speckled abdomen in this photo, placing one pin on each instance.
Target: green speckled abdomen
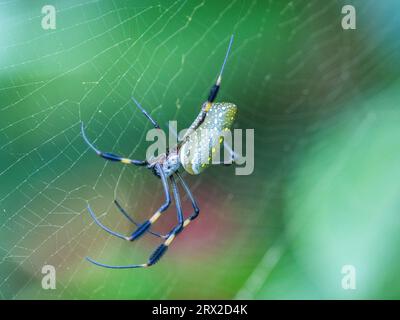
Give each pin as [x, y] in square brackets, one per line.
[196, 153]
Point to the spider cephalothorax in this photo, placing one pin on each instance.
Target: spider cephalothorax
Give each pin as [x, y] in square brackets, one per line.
[188, 154]
[169, 163]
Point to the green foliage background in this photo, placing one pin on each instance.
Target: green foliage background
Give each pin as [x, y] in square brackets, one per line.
[324, 105]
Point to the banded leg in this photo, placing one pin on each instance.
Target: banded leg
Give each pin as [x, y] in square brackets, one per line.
[178, 204]
[196, 209]
[145, 226]
[211, 97]
[127, 216]
[162, 248]
[110, 156]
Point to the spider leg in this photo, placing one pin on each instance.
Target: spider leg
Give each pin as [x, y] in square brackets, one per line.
[110, 156]
[115, 267]
[215, 88]
[144, 226]
[147, 224]
[178, 204]
[97, 221]
[155, 124]
[154, 257]
[126, 215]
[211, 96]
[162, 248]
[196, 209]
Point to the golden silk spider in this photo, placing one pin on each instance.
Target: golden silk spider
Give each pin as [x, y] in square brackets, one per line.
[215, 116]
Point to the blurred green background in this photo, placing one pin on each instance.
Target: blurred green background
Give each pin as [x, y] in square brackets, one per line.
[324, 103]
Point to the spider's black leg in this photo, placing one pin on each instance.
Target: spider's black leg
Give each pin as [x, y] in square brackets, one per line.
[116, 267]
[215, 88]
[154, 257]
[97, 221]
[178, 204]
[126, 215]
[143, 227]
[155, 124]
[196, 209]
[110, 156]
[211, 97]
[148, 116]
[161, 249]
[147, 224]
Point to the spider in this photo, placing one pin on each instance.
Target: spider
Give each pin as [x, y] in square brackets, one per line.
[216, 116]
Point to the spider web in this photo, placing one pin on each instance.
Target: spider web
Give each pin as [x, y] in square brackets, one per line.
[43, 218]
[166, 55]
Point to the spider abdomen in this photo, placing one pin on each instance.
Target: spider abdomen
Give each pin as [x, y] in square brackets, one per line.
[197, 152]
